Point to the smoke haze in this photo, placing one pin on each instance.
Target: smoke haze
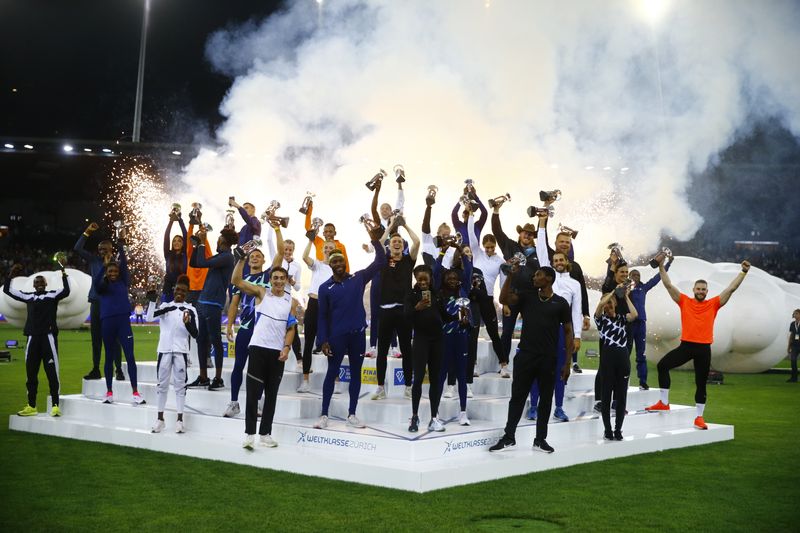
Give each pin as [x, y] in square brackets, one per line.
[615, 109]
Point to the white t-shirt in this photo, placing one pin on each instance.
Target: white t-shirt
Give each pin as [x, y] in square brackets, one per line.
[273, 318]
[320, 272]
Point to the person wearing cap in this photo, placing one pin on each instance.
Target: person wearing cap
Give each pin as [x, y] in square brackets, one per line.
[526, 245]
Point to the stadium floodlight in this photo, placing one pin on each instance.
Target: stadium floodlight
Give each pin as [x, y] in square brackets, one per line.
[9, 146]
[67, 148]
[176, 152]
[87, 149]
[106, 151]
[28, 146]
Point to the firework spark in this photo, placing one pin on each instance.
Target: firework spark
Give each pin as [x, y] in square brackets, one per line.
[137, 197]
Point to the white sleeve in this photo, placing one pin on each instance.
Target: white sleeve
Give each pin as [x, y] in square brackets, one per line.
[541, 249]
[401, 200]
[577, 316]
[296, 276]
[477, 251]
[427, 245]
[151, 309]
[271, 251]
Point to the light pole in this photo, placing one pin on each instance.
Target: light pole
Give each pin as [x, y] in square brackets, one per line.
[137, 111]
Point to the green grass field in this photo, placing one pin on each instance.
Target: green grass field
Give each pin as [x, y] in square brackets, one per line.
[748, 484]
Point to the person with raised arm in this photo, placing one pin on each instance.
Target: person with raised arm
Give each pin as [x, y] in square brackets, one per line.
[174, 256]
[697, 334]
[638, 326]
[268, 350]
[614, 358]
[42, 332]
[328, 235]
[342, 324]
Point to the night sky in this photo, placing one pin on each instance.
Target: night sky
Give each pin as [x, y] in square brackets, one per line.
[74, 66]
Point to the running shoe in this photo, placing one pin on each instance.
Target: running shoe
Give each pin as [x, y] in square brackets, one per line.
[643, 386]
[199, 382]
[55, 411]
[504, 373]
[303, 387]
[249, 442]
[469, 391]
[449, 392]
[618, 434]
[354, 422]
[540, 445]
[138, 399]
[216, 384]
[699, 423]
[28, 411]
[158, 427]
[267, 441]
[232, 410]
[503, 444]
[179, 427]
[576, 368]
[94, 374]
[658, 406]
[532, 412]
[322, 423]
[119, 375]
[109, 397]
[413, 427]
[380, 394]
[608, 435]
[559, 414]
[407, 393]
[435, 425]
[462, 419]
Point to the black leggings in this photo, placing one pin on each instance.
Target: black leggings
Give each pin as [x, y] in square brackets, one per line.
[309, 332]
[42, 349]
[527, 368]
[488, 315]
[264, 372]
[616, 367]
[685, 352]
[391, 321]
[427, 352]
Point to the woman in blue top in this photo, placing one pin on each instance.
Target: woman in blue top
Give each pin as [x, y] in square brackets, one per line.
[112, 282]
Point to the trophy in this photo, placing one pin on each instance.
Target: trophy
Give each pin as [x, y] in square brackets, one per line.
[400, 173]
[616, 249]
[432, 190]
[367, 222]
[518, 259]
[120, 229]
[316, 223]
[206, 227]
[619, 292]
[306, 202]
[269, 215]
[377, 178]
[500, 200]
[573, 233]
[548, 211]
[60, 258]
[550, 196]
[468, 203]
[154, 281]
[251, 245]
[450, 240]
[176, 210]
[469, 186]
[463, 309]
[230, 222]
[195, 214]
[231, 200]
[656, 260]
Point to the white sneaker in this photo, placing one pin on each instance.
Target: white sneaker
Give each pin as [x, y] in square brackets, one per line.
[249, 442]
[158, 427]
[435, 425]
[138, 399]
[380, 394]
[354, 422]
[475, 374]
[504, 373]
[232, 410]
[303, 387]
[450, 392]
[179, 427]
[462, 419]
[469, 391]
[337, 387]
[322, 423]
[396, 353]
[267, 442]
[371, 352]
[407, 393]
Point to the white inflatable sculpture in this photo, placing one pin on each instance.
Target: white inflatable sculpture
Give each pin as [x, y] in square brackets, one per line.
[750, 332]
[72, 311]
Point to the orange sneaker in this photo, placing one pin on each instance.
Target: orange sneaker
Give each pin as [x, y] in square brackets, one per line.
[658, 406]
[699, 423]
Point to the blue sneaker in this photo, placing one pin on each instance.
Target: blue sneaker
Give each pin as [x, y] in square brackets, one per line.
[532, 412]
[559, 414]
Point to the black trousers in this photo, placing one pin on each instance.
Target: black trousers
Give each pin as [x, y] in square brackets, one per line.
[598, 378]
[793, 357]
[42, 349]
[528, 367]
[685, 352]
[509, 323]
[309, 332]
[488, 315]
[391, 321]
[427, 353]
[264, 372]
[616, 367]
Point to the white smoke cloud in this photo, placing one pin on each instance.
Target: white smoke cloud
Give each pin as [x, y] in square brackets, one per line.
[519, 96]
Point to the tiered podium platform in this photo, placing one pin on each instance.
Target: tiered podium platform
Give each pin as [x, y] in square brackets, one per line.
[384, 453]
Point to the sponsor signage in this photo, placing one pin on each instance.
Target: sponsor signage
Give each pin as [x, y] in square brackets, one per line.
[309, 438]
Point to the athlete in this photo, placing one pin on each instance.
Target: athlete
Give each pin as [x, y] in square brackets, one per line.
[697, 335]
[174, 256]
[269, 347]
[614, 358]
[342, 323]
[638, 327]
[42, 332]
[328, 235]
[177, 323]
[113, 286]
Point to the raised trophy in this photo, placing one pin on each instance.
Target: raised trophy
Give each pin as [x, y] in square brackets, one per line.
[270, 217]
[469, 186]
[373, 183]
[367, 221]
[463, 309]
[431, 198]
[120, 229]
[154, 281]
[500, 200]
[548, 211]
[573, 233]
[206, 227]
[60, 258]
[616, 249]
[231, 201]
[399, 173]
[176, 210]
[230, 222]
[306, 202]
[449, 240]
[195, 214]
[550, 196]
[316, 223]
[252, 244]
[519, 259]
[468, 202]
[664, 252]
